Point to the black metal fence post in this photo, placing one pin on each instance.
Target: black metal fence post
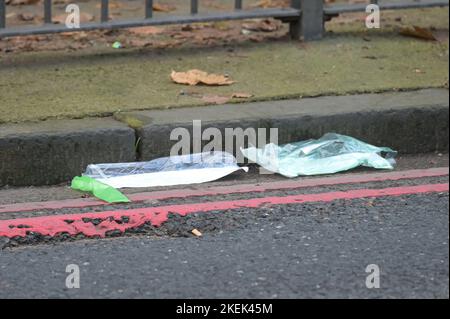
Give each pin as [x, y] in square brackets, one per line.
[194, 6]
[48, 11]
[295, 25]
[312, 19]
[104, 11]
[2, 14]
[148, 9]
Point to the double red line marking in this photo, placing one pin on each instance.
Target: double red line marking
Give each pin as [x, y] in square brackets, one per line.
[74, 224]
[233, 189]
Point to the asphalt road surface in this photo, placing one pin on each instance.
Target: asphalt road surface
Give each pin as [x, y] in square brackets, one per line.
[296, 250]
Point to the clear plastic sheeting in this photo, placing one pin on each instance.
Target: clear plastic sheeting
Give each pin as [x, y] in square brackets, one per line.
[330, 154]
[166, 171]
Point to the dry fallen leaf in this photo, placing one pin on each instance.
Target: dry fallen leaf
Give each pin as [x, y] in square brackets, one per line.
[21, 2]
[11, 15]
[441, 35]
[163, 7]
[148, 30]
[262, 4]
[26, 16]
[215, 99]
[241, 95]
[75, 35]
[265, 25]
[194, 77]
[139, 43]
[112, 5]
[418, 32]
[270, 4]
[61, 1]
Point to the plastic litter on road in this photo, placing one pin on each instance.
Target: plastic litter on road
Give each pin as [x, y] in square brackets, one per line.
[117, 45]
[102, 191]
[330, 154]
[166, 171]
[196, 232]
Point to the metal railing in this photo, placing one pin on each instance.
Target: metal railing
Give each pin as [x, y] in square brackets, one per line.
[305, 17]
[314, 13]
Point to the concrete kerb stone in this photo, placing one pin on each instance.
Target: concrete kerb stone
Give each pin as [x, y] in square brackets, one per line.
[410, 122]
[54, 151]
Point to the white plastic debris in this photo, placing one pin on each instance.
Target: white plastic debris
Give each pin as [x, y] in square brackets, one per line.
[330, 154]
[166, 171]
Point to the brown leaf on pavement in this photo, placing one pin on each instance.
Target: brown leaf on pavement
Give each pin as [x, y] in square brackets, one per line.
[222, 99]
[418, 32]
[441, 35]
[262, 4]
[215, 99]
[265, 25]
[148, 30]
[21, 2]
[271, 4]
[161, 7]
[26, 16]
[11, 15]
[111, 5]
[194, 77]
[139, 43]
[61, 1]
[241, 95]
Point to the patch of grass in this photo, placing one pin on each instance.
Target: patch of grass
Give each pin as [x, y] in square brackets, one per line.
[37, 86]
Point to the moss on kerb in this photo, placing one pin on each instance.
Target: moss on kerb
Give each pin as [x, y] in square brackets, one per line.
[39, 86]
[131, 121]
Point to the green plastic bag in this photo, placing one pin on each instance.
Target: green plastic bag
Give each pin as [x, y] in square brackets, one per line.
[102, 191]
[330, 154]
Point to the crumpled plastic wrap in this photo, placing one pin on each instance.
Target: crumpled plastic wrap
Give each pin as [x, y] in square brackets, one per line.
[330, 154]
[166, 171]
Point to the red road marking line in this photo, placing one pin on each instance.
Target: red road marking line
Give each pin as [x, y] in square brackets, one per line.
[52, 225]
[232, 189]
